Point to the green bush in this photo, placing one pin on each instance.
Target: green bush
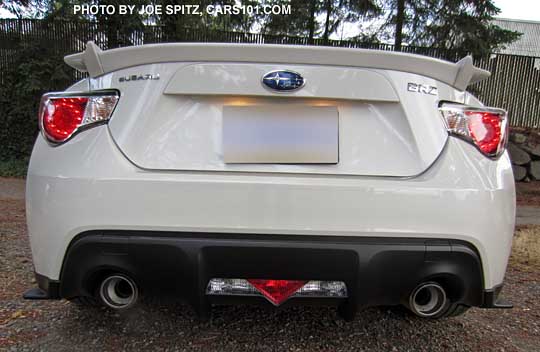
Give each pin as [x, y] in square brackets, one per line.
[39, 70]
[13, 167]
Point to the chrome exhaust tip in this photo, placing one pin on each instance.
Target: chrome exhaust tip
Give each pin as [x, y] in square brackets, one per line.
[428, 300]
[118, 292]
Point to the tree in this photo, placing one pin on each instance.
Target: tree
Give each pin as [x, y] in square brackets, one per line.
[26, 8]
[315, 18]
[39, 69]
[337, 12]
[119, 28]
[465, 25]
[301, 22]
[175, 25]
[400, 16]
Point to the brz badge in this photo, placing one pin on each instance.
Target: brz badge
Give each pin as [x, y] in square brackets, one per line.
[421, 88]
[283, 80]
[145, 77]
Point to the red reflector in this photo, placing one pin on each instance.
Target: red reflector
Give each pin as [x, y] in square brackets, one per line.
[62, 116]
[485, 129]
[277, 291]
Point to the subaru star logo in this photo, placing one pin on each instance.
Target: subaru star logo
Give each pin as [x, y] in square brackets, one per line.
[283, 80]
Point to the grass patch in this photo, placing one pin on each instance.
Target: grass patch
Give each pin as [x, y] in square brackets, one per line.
[13, 168]
[526, 246]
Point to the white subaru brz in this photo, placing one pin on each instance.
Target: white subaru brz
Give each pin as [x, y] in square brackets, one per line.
[268, 174]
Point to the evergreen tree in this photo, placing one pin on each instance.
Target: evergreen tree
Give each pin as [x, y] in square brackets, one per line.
[464, 25]
[301, 22]
[318, 18]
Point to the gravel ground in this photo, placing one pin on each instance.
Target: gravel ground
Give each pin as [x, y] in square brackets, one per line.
[62, 326]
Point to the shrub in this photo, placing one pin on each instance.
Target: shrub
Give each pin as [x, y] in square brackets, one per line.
[39, 70]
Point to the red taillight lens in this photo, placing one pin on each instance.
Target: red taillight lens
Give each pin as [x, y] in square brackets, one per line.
[284, 288]
[484, 127]
[62, 116]
[485, 130]
[277, 291]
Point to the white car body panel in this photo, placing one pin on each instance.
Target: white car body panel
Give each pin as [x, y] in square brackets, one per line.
[158, 164]
[245, 80]
[98, 63]
[455, 198]
[183, 132]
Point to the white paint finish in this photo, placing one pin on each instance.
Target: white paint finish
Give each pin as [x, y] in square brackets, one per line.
[97, 62]
[272, 134]
[180, 132]
[90, 185]
[429, 132]
[245, 79]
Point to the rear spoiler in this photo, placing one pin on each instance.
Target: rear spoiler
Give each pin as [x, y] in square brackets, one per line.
[98, 62]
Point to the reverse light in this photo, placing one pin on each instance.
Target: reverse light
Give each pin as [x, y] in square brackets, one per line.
[485, 128]
[276, 291]
[63, 115]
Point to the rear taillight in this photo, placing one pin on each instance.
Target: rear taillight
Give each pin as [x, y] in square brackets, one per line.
[62, 115]
[483, 127]
[276, 291]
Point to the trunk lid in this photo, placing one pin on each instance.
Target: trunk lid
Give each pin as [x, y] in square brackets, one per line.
[213, 115]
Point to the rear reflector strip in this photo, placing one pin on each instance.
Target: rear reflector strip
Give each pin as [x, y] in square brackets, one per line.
[276, 291]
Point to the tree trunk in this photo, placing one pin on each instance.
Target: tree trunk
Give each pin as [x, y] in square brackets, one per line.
[399, 24]
[112, 34]
[327, 22]
[311, 21]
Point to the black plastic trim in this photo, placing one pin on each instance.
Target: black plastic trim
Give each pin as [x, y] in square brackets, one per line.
[492, 299]
[47, 289]
[377, 271]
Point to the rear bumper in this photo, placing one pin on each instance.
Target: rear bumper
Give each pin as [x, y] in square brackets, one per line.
[461, 197]
[179, 265]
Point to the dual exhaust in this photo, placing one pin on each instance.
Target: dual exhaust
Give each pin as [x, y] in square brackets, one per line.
[118, 291]
[427, 300]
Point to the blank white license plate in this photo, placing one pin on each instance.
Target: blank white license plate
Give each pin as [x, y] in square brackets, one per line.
[281, 134]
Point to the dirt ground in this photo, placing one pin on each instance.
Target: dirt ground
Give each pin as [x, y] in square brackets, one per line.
[62, 326]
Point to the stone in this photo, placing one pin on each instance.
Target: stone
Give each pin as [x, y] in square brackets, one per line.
[532, 148]
[518, 138]
[518, 155]
[534, 170]
[520, 172]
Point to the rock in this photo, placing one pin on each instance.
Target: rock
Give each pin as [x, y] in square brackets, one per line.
[520, 172]
[534, 170]
[518, 155]
[532, 148]
[518, 138]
